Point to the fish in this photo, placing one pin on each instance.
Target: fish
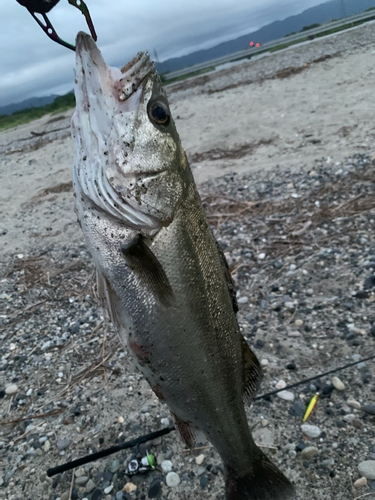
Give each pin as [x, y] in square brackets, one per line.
[160, 271]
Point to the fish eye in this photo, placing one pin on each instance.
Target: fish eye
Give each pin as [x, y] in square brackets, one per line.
[159, 113]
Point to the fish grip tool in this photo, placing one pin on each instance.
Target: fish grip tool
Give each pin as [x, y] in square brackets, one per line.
[43, 6]
[109, 451]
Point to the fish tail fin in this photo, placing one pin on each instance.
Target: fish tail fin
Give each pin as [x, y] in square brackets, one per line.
[263, 482]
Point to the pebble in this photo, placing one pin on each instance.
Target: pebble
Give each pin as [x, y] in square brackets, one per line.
[311, 431]
[370, 409]
[114, 466]
[154, 490]
[119, 495]
[362, 481]
[281, 384]
[129, 487]
[81, 480]
[90, 486]
[199, 459]
[166, 465]
[243, 300]
[172, 479]
[203, 480]
[63, 444]
[286, 395]
[97, 494]
[11, 389]
[338, 384]
[367, 469]
[298, 322]
[354, 404]
[261, 256]
[47, 446]
[298, 409]
[309, 452]
[108, 489]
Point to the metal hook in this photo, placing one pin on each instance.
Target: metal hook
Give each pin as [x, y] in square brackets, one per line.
[44, 6]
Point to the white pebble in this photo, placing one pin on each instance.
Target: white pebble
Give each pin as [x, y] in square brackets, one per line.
[286, 395]
[166, 465]
[261, 256]
[264, 362]
[338, 384]
[362, 481]
[11, 389]
[354, 404]
[311, 430]
[199, 459]
[281, 384]
[172, 479]
[243, 300]
[109, 489]
[29, 392]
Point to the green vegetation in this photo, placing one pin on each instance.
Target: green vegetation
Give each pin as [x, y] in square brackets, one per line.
[311, 27]
[187, 75]
[59, 105]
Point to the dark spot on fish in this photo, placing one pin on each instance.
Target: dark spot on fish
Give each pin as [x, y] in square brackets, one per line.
[105, 152]
[84, 158]
[83, 71]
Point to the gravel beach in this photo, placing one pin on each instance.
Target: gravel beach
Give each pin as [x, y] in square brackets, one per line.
[282, 149]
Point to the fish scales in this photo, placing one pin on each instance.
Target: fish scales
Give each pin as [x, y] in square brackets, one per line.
[160, 271]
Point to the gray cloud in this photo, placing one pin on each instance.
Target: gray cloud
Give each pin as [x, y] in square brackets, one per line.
[32, 65]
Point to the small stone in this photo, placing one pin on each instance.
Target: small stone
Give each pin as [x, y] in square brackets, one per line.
[203, 480]
[108, 489]
[155, 490]
[309, 452]
[298, 409]
[129, 487]
[199, 459]
[97, 494]
[264, 362]
[166, 465]
[63, 444]
[47, 446]
[291, 366]
[119, 495]
[298, 322]
[90, 486]
[243, 300]
[370, 409]
[362, 481]
[121, 420]
[11, 389]
[338, 384]
[201, 470]
[65, 495]
[354, 404]
[114, 466]
[172, 479]
[261, 256]
[286, 395]
[81, 480]
[79, 472]
[281, 384]
[357, 423]
[367, 469]
[311, 431]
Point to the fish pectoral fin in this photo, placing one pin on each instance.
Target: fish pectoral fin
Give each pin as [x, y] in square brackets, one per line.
[150, 272]
[252, 372]
[188, 434]
[108, 299]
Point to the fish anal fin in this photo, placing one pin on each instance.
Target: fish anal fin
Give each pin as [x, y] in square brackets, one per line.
[253, 372]
[148, 269]
[188, 434]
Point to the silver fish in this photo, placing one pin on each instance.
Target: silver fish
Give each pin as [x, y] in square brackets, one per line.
[160, 271]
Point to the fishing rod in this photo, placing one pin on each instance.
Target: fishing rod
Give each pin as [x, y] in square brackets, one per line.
[153, 435]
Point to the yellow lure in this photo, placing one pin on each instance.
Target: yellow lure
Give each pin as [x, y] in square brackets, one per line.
[311, 406]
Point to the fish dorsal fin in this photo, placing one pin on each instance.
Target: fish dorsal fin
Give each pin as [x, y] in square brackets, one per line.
[188, 434]
[228, 277]
[148, 269]
[252, 372]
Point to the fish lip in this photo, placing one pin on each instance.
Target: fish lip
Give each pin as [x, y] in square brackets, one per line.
[125, 81]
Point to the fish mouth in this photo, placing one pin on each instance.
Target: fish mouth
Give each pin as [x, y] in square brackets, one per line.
[122, 83]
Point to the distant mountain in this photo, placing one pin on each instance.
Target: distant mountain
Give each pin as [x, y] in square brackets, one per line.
[32, 102]
[334, 9]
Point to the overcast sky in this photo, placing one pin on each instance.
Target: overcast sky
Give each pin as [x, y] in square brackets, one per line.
[32, 65]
